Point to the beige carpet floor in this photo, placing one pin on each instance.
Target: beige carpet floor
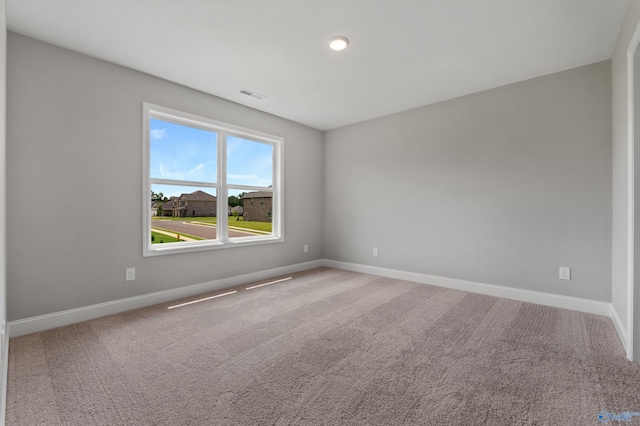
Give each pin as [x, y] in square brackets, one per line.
[327, 347]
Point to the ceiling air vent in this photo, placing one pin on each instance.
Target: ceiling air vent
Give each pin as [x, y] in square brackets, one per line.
[252, 94]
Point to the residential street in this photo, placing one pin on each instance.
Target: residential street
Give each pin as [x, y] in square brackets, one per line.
[202, 231]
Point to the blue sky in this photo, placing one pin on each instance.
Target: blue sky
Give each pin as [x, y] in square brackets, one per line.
[185, 153]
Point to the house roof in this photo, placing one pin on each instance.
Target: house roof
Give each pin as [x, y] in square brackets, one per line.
[258, 194]
[156, 204]
[197, 196]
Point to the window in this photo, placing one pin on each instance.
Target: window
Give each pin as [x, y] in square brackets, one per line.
[198, 164]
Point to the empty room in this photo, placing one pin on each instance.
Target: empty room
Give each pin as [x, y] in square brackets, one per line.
[319, 213]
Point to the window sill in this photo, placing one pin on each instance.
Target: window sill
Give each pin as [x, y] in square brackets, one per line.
[188, 247]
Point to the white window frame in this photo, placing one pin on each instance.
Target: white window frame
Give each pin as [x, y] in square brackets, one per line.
[222, 187]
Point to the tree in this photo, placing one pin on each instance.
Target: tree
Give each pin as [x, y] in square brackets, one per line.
[236, 200]
[158, 197]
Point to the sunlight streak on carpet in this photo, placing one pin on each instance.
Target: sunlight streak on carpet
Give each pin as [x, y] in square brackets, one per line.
[272, 282]
[201, 300]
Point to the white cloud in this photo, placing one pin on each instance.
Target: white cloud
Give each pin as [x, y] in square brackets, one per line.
[192, 174]
[158, 133]
[168, 174]
[243, 177]
[196, 171]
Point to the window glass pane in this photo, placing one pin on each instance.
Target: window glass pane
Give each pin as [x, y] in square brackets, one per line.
[182, 213]
[249, 162]
[180, 152]
[250, 219]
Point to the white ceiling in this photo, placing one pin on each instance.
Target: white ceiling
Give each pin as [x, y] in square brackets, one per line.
[403, 53]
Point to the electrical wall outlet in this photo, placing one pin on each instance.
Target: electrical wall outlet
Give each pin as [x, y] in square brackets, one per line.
[565, 273]
[130, 274]
[375, 251]
[305, 248]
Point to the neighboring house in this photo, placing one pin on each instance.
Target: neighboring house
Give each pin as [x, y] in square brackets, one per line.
[257, 206]
[236, 209]
[198, 203]
[167, 208]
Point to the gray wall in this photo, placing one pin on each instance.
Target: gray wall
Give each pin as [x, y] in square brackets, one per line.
[621, 173]
[74, 183]
[499, 187]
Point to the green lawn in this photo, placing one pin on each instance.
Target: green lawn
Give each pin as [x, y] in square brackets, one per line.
[258, 226]
[205, 219]
[157, 238]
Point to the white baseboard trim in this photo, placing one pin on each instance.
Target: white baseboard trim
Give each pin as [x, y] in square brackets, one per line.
[621, 330]
[540, 298]
[71, 316]
[59, 319]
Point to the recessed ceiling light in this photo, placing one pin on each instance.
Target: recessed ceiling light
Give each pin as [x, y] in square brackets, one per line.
[338, 43]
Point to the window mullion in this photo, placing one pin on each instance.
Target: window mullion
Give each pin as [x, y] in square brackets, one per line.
[222, 230]
[182, 183]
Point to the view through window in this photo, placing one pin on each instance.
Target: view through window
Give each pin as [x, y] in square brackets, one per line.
[192, 165]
